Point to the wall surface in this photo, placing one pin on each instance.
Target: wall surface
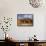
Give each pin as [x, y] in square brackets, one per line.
[10, 8]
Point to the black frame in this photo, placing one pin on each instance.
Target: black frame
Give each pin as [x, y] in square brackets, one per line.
[25, 14]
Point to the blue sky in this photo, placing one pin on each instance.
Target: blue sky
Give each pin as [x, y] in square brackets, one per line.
[23, 16]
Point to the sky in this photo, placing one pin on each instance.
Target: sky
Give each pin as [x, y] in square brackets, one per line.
[24, 16]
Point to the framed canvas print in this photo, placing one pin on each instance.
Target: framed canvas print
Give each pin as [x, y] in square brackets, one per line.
[24, 19]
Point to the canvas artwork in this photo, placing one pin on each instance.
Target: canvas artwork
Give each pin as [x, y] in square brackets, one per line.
[24, 19]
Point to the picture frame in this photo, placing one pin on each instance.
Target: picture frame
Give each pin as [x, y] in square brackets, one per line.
[24, 19]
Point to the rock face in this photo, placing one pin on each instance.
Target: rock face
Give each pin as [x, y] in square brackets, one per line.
[25, 22]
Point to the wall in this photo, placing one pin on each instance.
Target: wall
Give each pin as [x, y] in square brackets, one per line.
[10, 8]
[45, 28]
